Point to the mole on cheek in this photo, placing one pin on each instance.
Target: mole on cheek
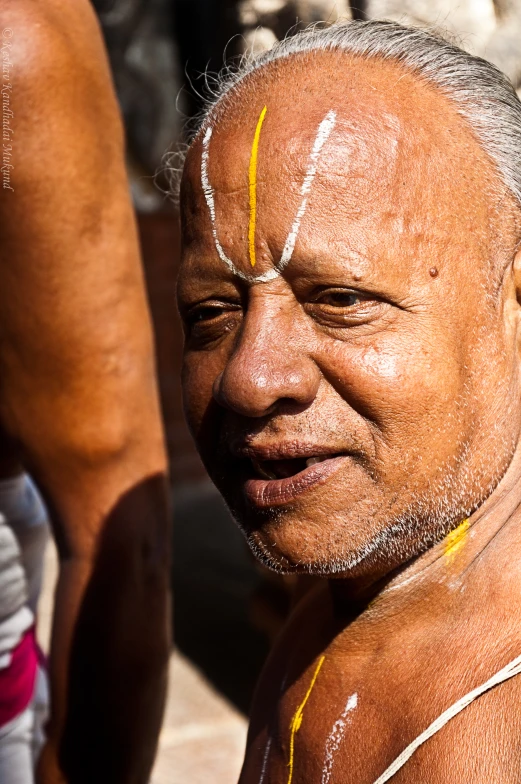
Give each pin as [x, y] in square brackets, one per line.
[433, 272]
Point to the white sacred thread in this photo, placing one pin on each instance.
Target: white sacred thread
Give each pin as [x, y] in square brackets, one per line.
[511, 669]
[324, 131]
[265, 760]
[210, 201]
[336, 737]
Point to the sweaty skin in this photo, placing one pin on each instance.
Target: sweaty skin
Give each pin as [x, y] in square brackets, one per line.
[78, 397]
[389, 345]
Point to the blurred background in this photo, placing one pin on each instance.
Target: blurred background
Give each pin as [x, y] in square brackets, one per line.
[227, 610]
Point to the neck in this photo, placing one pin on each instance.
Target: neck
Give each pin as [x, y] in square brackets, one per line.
[488, 532]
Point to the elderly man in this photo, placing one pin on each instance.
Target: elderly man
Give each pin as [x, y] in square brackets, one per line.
[349, 288]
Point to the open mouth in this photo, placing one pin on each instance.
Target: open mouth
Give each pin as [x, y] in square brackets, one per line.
[283, 469]
[278, 482]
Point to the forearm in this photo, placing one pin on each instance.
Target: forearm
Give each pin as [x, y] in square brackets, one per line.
[107, 498]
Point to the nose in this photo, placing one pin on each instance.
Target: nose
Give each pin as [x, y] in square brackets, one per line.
[270, 364]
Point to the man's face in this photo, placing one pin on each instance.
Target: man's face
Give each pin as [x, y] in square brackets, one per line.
[355, 406]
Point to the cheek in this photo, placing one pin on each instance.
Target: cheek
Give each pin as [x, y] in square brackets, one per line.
[200, 369]
[381, 364]
[397, 384]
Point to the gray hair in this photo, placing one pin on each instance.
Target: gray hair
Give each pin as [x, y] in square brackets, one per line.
[482, 94]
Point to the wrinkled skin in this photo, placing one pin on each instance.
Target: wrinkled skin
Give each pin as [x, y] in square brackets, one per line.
[390, 345]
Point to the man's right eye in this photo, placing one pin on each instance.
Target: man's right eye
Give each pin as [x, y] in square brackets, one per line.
[208, 321]
[205, 313]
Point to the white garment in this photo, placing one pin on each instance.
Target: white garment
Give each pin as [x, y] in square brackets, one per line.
[24, 532]
[21, 740]
[473, 21]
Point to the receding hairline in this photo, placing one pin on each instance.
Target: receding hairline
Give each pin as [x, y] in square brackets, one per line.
[243, 98]
[477, 89]
[278, 74]
[235, 90]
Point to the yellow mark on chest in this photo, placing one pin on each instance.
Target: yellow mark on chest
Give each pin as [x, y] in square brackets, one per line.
[297, 719]
[456, 540]
[253, 187]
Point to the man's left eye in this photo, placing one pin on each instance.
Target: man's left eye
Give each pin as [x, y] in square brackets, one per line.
[341, 299]
[344, 307]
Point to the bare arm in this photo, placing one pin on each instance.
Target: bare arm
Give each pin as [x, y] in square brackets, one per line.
[78, 391]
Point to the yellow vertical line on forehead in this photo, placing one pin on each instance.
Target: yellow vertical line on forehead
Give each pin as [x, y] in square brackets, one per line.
[253, 187]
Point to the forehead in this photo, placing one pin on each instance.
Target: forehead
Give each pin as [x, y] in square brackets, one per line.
[398, 152]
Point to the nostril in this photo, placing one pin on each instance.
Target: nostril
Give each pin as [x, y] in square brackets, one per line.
[243, 393]
[255, 383]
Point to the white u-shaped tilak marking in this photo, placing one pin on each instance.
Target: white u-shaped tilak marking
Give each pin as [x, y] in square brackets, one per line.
[210, 201]
[336, 736]
[323, 133]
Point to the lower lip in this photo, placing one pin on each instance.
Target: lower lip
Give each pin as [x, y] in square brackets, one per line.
[277, 492]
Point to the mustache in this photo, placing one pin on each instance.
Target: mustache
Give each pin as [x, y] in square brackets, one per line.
[286, 435]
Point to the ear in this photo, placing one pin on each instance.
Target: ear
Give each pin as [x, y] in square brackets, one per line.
[516, 269]
[514, 296]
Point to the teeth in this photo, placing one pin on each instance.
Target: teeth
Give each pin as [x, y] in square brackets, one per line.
[314, 460]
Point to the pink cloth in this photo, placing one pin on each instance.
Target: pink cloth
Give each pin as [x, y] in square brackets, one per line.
[17, 681]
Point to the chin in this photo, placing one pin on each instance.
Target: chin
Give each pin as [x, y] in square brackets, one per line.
[344, 545]
[349, 565]
[346, 549]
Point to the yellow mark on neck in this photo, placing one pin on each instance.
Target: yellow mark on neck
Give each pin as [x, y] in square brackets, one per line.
[456, 539]
[297, 719]
[253, 187]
